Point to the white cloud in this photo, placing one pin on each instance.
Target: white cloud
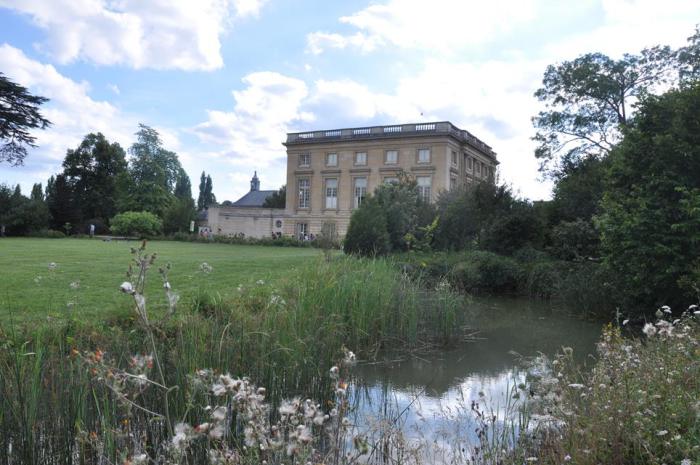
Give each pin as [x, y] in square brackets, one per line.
[162, 34]
[439, 26]
[250, 136]
[114, 88]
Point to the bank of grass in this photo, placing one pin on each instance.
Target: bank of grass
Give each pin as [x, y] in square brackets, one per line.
[29, 291]
[283, 333]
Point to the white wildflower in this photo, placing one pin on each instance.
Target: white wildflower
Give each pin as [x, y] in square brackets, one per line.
[624, 322]
[334, 372]
[166, 285]
[217, 432]
[259, 282]
[75, 285]
[686, 462]
[531, 459]
[666, 309]
[139, 459]
[649, 329]
[126, 287]
[218, 389]
[663, 432]
[206, 268]
[218, 414]
[576, 386]
[567, 458]
[350, 358]
[305, 436]
[182, 431]
[52, 266]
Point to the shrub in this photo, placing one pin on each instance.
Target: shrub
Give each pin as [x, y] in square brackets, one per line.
[141, 224]
[48, 234]
[544, 279]
[487, 273]
[588, 288]
[367, 233]
[574, 239]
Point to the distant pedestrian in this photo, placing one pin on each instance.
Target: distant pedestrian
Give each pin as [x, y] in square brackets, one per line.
[92, 230]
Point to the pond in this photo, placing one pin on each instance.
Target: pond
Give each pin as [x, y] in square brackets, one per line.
[430, 395]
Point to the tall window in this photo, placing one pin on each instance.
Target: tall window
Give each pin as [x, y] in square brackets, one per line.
[304, 159]
[361, 158]
[331, 193]
[360, 191]
[454, 158]
[424, 183]
[392, 157]
[304, 192]
[332, 159]
[424, 156]
[470, 163]
[478, 167]
[453, 182]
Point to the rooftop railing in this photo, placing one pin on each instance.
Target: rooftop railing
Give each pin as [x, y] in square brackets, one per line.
[420, 129]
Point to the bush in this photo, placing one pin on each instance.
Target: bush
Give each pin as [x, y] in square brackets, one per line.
[574, 239]
[544, 279]
[141, 224]
[47, 234]
[367, 233]
[487, 273]
[588, 288]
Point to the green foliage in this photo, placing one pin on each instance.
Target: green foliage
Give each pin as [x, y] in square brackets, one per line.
[152, 174]
[486, 215]
[589, 100]
[91, 172]
[22, 215]
[277, 199]
[649, 226]
[19, 114]
[206, 194]
[574, 240]
[181, 211]
[367, 233]
[482, 272]
[139, 224]
[578, 190]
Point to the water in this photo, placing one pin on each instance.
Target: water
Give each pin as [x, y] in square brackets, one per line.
[430, 394]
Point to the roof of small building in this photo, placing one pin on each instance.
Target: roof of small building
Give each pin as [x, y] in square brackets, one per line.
[253, 199]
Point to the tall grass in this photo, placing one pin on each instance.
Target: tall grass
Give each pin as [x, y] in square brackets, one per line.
[284, 335]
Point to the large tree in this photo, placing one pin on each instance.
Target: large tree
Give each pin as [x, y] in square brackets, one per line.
[206, 195]
[153, 171]
[589, 100]
[651, 208]
[19, 114]
[92, 171]
[278, 199]
[182, 210]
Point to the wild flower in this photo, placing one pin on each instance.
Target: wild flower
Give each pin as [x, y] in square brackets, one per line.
[52, 266]
[75, 285]
[126, 287]
[260, 282]
[663, 432]
[649, 329]
[686, 462]
[206, 268]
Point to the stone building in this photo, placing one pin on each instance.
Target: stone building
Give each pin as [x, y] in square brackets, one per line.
[330, 172]
[246, 216]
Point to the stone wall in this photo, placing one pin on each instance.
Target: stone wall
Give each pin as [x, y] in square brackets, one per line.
[250, 221]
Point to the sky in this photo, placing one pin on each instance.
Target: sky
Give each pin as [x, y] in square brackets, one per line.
[223, 81]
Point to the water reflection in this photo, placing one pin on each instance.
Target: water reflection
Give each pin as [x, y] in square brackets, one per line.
[433, 392]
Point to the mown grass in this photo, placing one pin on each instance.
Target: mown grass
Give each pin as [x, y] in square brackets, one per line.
[29, 291]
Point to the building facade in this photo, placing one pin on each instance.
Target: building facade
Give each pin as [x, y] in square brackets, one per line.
[330, 172]
[246, 216]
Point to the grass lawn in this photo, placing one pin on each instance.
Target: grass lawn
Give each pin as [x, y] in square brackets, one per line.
[29, 291]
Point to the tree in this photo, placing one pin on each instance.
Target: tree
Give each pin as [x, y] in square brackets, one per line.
[22, 215]
[178, 216]
[277, 199]
[59, 199]
[141, 224]
[153, 172]
[92, 171]
[206, 195]
[650, 219]
[588, 102]
[367, 233]
[37, 193]
[19, 114]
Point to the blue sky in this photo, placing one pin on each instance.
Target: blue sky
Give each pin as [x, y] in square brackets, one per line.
[224, 80]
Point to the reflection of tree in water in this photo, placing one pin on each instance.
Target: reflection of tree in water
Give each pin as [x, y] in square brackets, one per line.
[505, 326]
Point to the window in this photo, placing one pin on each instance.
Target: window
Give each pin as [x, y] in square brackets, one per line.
[328, 230]
[470, 163]
[424, 156]
[392, 157]
[304, 159]
[302, 231]
[391, 180]
[304, 193]
[453, 182]
[454, 158]
[331, 193]
[478, 167]
[332, 159]
[360, 191]
[361, 158]
[424, 183]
